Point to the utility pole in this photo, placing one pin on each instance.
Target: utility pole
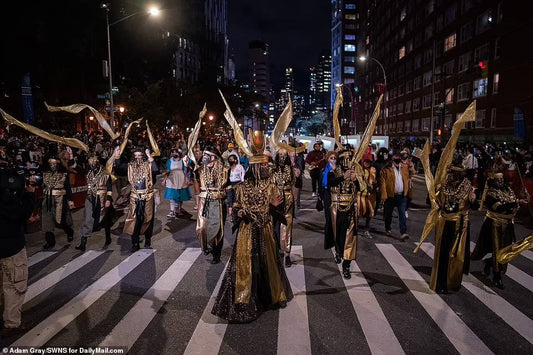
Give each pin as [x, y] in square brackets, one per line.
[431, 123]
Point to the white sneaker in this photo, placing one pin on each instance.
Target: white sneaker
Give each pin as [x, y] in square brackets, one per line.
[406, 214]
[171, 214]
[314, 194]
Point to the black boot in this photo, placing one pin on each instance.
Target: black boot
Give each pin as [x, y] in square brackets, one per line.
[70, 234]
[346, 269]
[338, 258]
[498, 280]
[107, 236]
[50, 240]
[288, 261]
[148, 243]
[134, 244]
[83, 244]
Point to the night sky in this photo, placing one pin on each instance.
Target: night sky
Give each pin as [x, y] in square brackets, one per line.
[296, 30]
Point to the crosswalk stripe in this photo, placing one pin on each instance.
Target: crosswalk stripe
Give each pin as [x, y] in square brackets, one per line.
[512, 316]
[64, 271]
[460, 336]
[130, 328]
[209, 332]
[39, 256]
[515, 274]
[378, 332]
[528, 254]
[48, 328]
[293, 324]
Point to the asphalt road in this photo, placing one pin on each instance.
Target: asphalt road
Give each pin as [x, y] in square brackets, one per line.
[158, 301]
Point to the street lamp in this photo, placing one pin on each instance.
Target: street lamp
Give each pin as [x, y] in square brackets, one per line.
[362, 59]
[153, 11]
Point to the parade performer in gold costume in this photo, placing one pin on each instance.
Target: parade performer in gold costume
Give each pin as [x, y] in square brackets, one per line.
[497, 233]
[213, 178]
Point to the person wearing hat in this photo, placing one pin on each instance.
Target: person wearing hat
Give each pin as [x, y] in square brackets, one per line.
[141, 207]
[344, 185]
[229, 151]
[98, 210]
[497, 231]
[315, 160]
[394, 189]
[255, 280]
[57, 202]
[176, 183]
[213, 179]
[367, 197]
[284, 179]
[17, 200]
[408, 161]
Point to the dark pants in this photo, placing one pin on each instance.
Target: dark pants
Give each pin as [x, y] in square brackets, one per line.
[400, 202]
[315, 179]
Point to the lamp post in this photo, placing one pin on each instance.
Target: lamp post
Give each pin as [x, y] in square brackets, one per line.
[362, 59]
[153, 11]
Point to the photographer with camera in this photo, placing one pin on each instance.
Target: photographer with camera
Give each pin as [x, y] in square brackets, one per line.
[17, 201]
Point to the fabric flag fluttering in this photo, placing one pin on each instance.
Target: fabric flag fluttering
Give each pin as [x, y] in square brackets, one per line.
[237, 131]
[336, 125]
[193, 137]
[111, 160]
[71, 142]
[283, 123]
[153, 142]
[77, 108]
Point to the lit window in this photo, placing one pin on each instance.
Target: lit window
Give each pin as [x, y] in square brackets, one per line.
[349, 70]
[401, 53]
[349, 16]
[425, 124]
[348, 80]
[349, 37]
[493, 117]
[349, 59]
[449, 42]
[495, 83]
[349, 48]
[449, 95]
[480, 87]
[480, 118]
[349, 6]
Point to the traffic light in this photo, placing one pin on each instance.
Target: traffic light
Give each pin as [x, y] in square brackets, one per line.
[484, 67]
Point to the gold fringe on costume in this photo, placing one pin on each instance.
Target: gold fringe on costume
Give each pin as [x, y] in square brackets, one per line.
[193, 137]
[77, 108]
[72, 142]
[434, 184]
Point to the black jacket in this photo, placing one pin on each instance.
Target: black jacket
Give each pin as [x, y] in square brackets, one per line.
[16, 207]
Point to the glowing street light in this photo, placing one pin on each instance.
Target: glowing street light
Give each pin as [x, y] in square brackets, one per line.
[121, 109]
[211, 117]
[153, 11]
